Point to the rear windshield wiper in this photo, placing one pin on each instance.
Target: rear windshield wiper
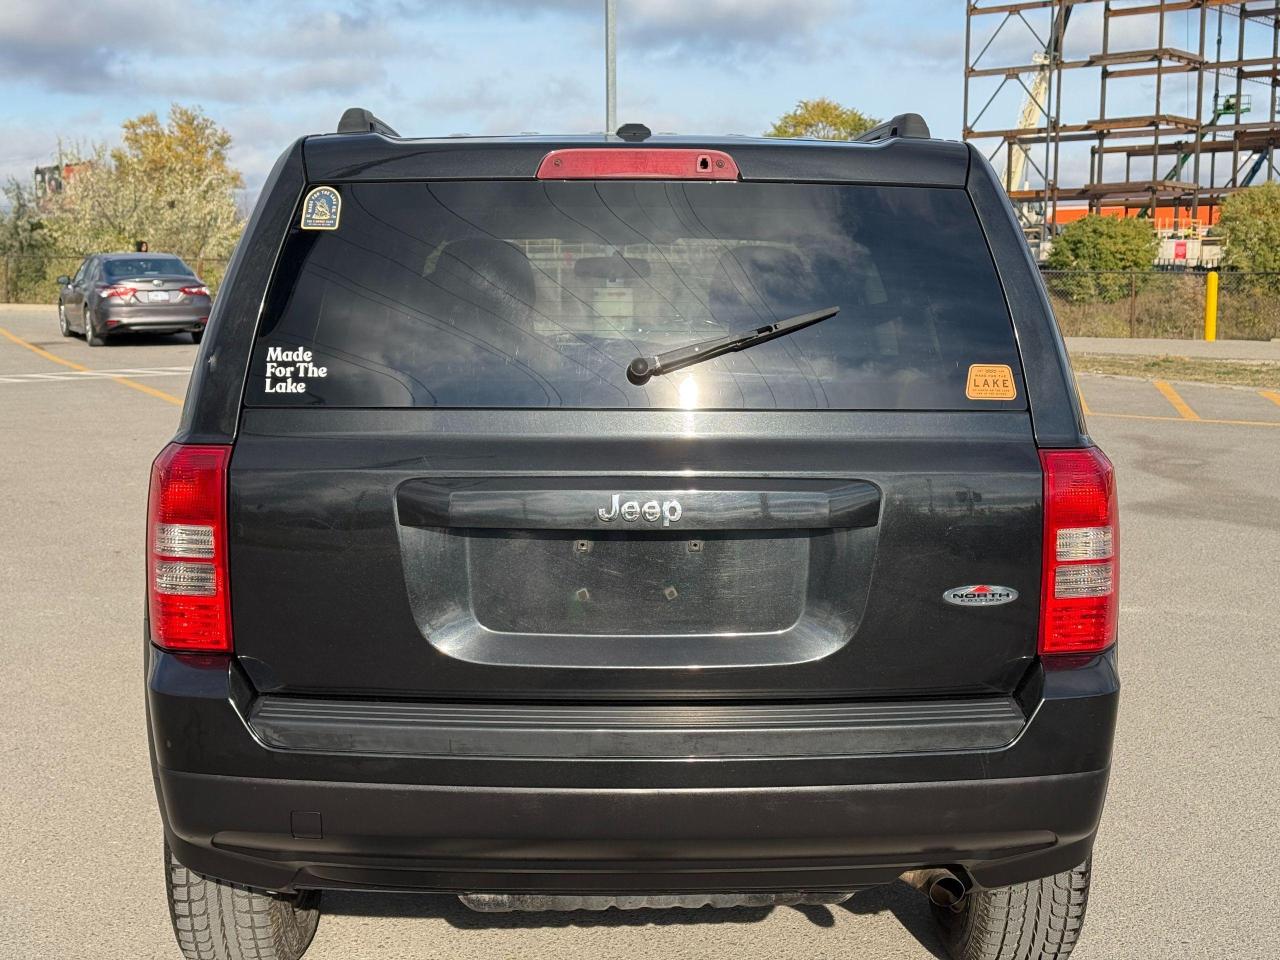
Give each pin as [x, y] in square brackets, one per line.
[641, 369]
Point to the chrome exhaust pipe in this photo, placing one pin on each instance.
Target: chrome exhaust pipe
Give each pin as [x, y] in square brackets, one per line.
[943, 888]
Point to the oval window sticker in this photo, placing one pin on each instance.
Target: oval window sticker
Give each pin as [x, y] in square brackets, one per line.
[991, 381]
[321, 208]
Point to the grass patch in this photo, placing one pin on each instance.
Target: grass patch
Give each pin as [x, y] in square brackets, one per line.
[1241, 373]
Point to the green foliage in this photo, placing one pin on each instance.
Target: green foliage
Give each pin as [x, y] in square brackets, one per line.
[1118, 245]
[168, 183]
[1249, 224]
[26, 246]
[821, 119]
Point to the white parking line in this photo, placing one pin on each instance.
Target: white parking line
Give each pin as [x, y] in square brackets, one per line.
[63, 376]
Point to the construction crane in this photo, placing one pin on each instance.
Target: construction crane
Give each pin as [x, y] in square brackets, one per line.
[1225, 107]
[1034, 109]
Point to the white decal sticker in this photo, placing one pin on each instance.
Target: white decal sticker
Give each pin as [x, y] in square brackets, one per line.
[289, 370]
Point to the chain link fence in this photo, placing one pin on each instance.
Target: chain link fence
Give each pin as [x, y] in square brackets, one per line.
[1248, 306]
[30, 278]
[1158, 303]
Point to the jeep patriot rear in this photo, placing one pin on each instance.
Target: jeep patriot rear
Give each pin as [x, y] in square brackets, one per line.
[631, 521]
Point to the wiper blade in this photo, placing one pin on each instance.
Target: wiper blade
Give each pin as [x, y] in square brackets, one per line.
[641, 369]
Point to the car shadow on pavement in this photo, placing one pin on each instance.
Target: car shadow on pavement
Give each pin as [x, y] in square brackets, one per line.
[908, 906]
[145, 340]
[910, 909]
[451, 910]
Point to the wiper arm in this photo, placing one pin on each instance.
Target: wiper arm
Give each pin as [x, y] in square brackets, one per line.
[641, 369]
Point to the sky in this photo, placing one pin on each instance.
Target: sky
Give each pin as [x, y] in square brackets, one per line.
[269, 71]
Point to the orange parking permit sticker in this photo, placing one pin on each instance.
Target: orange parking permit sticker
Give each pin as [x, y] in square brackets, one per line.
[991, 381]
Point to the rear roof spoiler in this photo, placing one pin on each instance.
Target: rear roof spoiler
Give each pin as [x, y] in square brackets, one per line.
[360, 120]
[907, 125]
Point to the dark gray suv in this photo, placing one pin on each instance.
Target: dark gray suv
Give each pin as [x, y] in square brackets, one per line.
[629, 521]
[116, 293]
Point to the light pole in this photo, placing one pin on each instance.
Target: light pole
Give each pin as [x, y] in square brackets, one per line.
[610, 66]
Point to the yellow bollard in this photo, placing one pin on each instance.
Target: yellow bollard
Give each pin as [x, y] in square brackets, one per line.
[1211, 305]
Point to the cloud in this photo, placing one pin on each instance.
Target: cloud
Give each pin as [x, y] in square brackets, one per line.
[720, 29]
[60, 45]
[364, 32]
[725, 29]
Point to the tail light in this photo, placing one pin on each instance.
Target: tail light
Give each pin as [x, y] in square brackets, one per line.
[187, 591]
[637, 163]
[119, 290]
[196, 291]
[1079, 598]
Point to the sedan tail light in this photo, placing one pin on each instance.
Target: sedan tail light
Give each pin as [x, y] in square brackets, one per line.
[196, 291]
[1079, 598]
[119, 290]
[187, 591]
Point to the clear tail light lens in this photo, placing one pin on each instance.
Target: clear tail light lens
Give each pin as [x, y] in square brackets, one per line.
[1080, 600]
[187, 591]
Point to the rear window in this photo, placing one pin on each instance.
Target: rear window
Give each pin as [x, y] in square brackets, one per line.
[539, 294]
[145, 267]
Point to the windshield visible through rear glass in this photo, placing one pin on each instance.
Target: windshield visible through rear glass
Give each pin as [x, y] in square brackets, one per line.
[539, 294]
[145, 267]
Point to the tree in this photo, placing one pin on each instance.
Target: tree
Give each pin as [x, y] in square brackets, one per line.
[822, 119]
[168, 183]
[1117, 245]
[25, 245]
[1249, 224]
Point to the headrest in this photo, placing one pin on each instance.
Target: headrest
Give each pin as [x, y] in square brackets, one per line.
[487, 272]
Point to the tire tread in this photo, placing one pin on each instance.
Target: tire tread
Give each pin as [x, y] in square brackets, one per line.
[215, 920]
[1039, 920]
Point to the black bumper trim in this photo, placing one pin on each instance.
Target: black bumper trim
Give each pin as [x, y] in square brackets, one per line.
[633, 732]
[462, 839]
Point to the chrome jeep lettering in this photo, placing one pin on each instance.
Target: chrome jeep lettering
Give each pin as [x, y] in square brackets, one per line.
[651, 511]
[611, 513]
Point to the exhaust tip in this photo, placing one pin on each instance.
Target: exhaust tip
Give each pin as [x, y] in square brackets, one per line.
[943, 888]
[946, 891]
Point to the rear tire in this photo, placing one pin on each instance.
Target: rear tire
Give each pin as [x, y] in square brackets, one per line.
[1040, 920]
[91, 336]
[214, 920]
[64, 328]
[197, 336]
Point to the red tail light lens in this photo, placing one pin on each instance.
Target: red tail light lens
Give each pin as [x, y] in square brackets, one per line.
[196, 291]
[187, 592]
[123, 292]
[637, 163]
[1079, 596]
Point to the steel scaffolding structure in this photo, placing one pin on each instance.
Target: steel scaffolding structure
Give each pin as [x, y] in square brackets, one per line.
[1221, 137]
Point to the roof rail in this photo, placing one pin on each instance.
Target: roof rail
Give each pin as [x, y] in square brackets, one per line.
[360, 120]
[909, 125]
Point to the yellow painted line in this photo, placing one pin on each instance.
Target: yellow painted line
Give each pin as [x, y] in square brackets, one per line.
[1084, 404]
[1231, 423]
[1272, 396]
[44, 353]
[125, 381]
[1176, 401]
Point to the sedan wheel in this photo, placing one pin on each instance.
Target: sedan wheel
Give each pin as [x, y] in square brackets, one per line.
[91, 336]
[63, 327]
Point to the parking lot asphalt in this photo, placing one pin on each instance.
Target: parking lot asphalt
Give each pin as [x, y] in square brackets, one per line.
[1188, 847]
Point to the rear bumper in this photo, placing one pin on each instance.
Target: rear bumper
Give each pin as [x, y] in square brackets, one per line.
[166, 318]
[282, 819]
